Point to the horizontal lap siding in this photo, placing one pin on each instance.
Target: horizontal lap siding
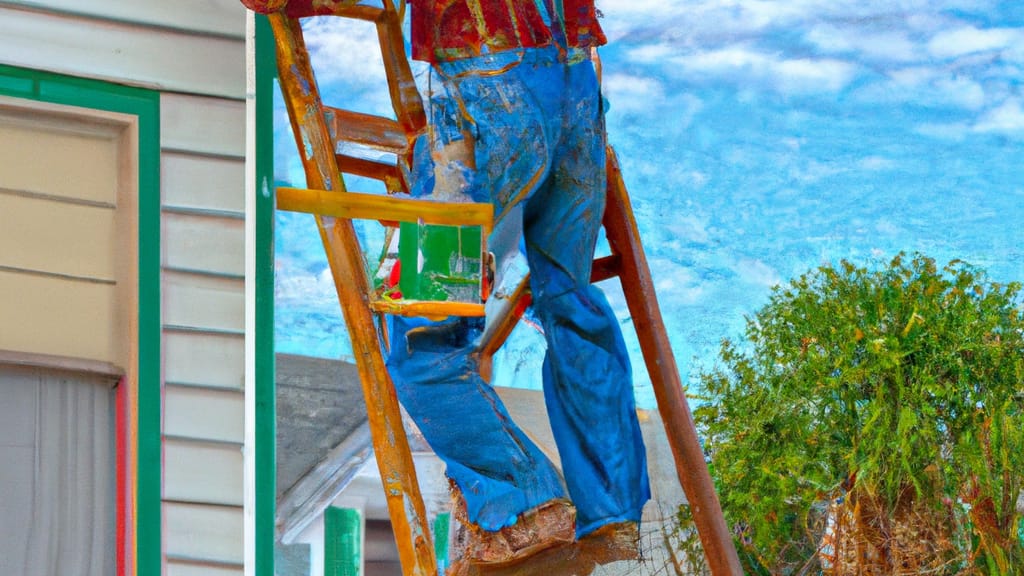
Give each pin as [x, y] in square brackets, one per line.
[208, 360]
[201, 125]
[194, 182]
[157, 58]
[197, 302]
[212, 245]
[222, 18]
[202, 472]
[203, 413]
[203, 533]
[202, 140]
[194, 52]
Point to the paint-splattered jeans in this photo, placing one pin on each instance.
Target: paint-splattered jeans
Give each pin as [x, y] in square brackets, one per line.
[537, 132]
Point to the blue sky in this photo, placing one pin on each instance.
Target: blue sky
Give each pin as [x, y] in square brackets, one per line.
[758, 139]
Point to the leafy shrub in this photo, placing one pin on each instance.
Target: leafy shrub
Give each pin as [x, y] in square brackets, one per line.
[889, 401]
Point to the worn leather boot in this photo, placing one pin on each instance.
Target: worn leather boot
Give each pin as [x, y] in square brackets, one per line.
[553, 523]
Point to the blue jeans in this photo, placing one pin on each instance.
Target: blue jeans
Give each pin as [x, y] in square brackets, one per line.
[539, 157]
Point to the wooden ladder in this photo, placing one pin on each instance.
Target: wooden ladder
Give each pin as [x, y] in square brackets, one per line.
[318, 130]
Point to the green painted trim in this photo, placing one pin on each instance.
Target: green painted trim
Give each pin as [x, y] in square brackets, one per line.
[343, 542]
[144, 104]
[266, 418]
[442, 523]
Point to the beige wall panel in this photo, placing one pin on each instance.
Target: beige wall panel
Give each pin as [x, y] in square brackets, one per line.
[226, 17]
[204, 244]
[203, 414]
[205, 359]
[160, 59]
[198, 532]
[66, 164]
[201, 472]
[183, 569]
[202, 182]
[202, 302]
[47, 315]
[56, 237]
[202, 125]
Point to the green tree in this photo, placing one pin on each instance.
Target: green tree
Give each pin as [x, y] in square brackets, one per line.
[897, 395]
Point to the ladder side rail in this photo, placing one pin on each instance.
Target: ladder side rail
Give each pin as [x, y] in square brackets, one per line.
[405, 96]
[638, 287]
[405, 504]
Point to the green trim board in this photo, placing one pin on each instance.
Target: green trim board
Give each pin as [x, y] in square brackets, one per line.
[266, 411]
[343, 542]
[442, 525]
[145, 105]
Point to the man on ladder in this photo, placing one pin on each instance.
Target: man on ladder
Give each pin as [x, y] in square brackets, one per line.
[517, 121]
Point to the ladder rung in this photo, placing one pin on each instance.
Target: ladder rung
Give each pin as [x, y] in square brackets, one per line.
[369, 13]
[427, 309]
[373, 131]
[306, 8]
[368, 168]
[352, 205]
[605, 268]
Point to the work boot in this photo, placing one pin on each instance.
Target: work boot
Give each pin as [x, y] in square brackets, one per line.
[551, 524]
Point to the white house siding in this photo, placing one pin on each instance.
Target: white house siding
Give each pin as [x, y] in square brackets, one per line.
[193, 51]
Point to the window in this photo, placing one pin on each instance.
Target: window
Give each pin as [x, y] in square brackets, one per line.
[80, 311]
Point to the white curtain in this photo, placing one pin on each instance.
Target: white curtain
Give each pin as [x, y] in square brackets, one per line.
[71, 528]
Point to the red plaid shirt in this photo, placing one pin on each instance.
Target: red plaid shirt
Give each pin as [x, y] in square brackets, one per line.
[450, 29]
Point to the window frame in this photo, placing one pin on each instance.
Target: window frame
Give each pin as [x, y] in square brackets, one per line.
[139, 403]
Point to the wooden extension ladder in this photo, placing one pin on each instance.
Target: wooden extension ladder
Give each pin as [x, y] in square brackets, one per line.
[318, 131]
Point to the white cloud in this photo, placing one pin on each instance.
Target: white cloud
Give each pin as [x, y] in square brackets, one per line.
[633, 93]
[1006, 119]
[810, 75]
[675, 283]
[962, 91]
[887, 227]
[812, 171]
[652, 53]
[953, 131]
[697, 178]
[690, 228]
[970, 40]
[643, 10]
[887, 46]
[787, 75]
[711, 23]
[757, 272]
[296, 285]
[344, 48]
[932, 86]
[913, 76]
[349, 66]
[877, 163]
